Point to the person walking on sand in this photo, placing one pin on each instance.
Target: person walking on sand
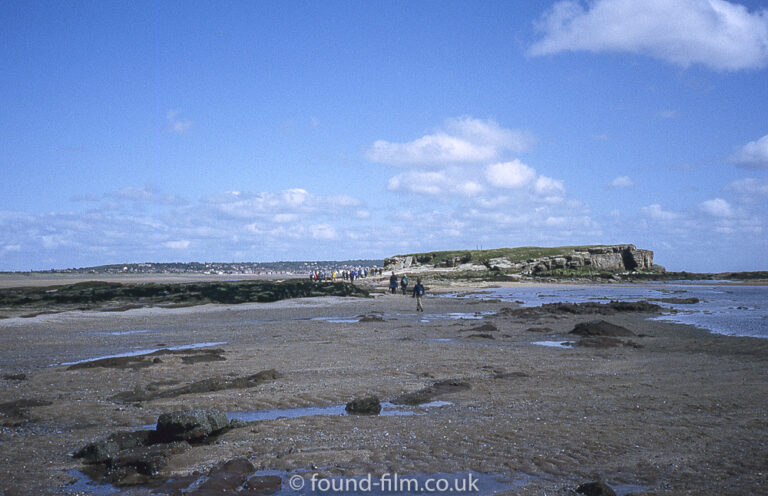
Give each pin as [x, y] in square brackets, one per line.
[404, 283]
[418, 292]
[393, 283]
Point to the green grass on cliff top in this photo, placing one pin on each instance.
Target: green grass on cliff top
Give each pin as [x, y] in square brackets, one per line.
[519, 254]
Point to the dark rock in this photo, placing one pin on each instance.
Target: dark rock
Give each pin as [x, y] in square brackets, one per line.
[599, 342]
[679, 301]
[482, 329]
[15, 413]
[143, 460]
[15, 377]
[364, 406]
[481, 335]
[262, 485]
[540, 329]
[106, 449]
[585, 308]
[600, 328]
[94, 295]
[226, 478]
[208, 357]
[370, 318]
[132, 362]
[191, 425]
[176, 486]
[204, 386]
[430, 392]
[595, 489]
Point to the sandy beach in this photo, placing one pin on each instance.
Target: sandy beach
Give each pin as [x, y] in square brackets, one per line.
[671, 410]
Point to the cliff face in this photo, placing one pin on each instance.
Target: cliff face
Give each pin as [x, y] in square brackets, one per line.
[607, 258]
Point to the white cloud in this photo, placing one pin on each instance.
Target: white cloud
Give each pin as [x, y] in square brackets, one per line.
[749, 189]
[463, 140]
[428, 183]
[470, 188]
[655, 212]
[285, 218]
[175, 124]
[177, 245]
[323, 231]
[514, 174]
[754, 154]
[279, 205]
[621, 182]
[717, 208]
[716, 33]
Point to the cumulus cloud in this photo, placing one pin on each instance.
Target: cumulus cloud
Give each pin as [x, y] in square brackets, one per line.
[715, 33]
[717, 208]
[753, 155]
[621, 182]
[655, 212]
[462, 140]
[513, 174]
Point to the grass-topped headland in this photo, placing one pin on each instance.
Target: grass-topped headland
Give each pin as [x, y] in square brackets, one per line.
[451, 258]
[559, 261]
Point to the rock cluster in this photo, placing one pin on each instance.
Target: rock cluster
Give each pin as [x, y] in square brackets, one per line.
[128, 458]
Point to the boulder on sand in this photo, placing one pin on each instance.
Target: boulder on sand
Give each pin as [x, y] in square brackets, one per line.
[595, 489]
[190, 425]
[364, 406]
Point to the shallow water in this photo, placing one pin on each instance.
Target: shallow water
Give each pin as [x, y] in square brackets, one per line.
[732, 309]
[387, 409]
[124, 333]
[85, 484]
[554, 344]
[147, 352]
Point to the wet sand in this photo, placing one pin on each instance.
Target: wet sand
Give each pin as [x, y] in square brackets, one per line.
[685, 413]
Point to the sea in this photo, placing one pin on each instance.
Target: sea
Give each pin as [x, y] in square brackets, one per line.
[724, 307]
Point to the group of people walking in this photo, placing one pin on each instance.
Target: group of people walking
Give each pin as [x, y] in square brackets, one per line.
[417, 292]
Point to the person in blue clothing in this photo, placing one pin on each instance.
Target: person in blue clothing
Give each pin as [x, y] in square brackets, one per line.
[393, 283]
[418, 292]
[404, 283]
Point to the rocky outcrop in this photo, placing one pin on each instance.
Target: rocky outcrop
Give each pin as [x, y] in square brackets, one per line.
[136, 457]
[600, 328]
[190, 425]
[364, 406]
[603, 258]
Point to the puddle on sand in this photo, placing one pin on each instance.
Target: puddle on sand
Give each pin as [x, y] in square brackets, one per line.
[387, 409]
[85, 484]
[627, 489]
[146, 352]
[123, 333]
[566, 345]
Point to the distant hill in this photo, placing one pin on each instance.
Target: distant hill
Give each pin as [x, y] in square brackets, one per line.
[218, 267]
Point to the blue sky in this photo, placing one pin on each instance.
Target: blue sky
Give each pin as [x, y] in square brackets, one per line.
[264, 131]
